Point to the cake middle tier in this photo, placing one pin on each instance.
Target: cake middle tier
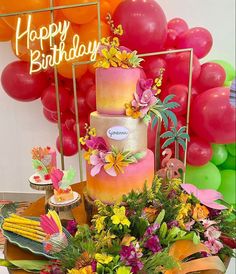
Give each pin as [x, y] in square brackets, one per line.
[122, 132]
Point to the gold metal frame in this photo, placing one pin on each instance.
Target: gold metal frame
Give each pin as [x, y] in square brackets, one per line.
[74, 65]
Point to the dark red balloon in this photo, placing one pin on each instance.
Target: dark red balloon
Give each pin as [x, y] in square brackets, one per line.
[212, 75]
[20, 85]
[82, 106]
[199, 151]
[171, 38]
[69, 141]
[144, 24]
[212, 116]
[153, 65]
[91, 98]
[198, 38]
[181, 97]
[52, 116]
[178, 68]
[49, 98]
[178, 25]
[86, 81]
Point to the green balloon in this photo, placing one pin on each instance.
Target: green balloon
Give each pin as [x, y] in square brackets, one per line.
[230, 163]
[229, 70]
[227, 187]
[203, 177]
[227, 83]
[219, 154]
[231, 149]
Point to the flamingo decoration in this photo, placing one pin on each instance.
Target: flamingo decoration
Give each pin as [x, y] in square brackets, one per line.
[170, 166]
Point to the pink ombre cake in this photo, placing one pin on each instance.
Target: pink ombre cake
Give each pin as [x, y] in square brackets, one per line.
[114, 88]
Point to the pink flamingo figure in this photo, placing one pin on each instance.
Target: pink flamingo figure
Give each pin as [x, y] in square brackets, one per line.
[170, 166]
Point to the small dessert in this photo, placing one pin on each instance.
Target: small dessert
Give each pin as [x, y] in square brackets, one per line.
[44, 162]
[61, 183]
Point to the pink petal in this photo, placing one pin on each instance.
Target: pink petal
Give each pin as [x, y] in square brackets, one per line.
[96, 169]
[215, 205]
[111, 171]
[57, 175]
[94, 160]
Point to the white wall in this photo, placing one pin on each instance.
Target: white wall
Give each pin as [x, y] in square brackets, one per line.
[23, 126]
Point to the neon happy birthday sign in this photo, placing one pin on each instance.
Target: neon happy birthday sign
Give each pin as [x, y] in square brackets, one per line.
[39, 60]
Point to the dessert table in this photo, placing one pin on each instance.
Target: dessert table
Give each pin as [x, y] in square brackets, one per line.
[13, 252]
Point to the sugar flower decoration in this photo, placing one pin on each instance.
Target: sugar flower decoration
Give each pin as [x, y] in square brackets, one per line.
[114, 164]
[206, 197]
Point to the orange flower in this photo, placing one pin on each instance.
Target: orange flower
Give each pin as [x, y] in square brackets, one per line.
[151, 213]
[200, 212]
[115, 164]
[131, 111]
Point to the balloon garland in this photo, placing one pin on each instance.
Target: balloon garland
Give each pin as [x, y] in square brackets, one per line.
[212, 123]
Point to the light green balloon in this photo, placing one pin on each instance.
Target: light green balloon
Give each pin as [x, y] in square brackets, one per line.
[229, 69]
[231, 149]
[203, 177]
[227, 83]
[230, 163]
[219, 154]
[227, 187]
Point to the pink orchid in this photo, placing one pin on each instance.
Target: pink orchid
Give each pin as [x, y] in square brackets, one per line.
[214, 246]
[212, 233]
[56, 177]
[97, 143]
[206, 196]
[206, 223]
[188, 226]
[98, 162]
[143, 85]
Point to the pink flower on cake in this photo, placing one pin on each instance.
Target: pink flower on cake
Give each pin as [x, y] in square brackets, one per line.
[207, 197]
[143, 85]
[98, 161]
[56, 177]
[97, 143]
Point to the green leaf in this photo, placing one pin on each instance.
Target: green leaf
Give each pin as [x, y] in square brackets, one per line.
[172, 117]
[36, 164]
[171, 105]
[123, 270]
[168, 142]
[27, 265]
[139, 155]
[165, 120]
[184, 136]
[7, 209]
[182, 129]
[154, 122]
[146, 119]
[160, 217]
[182, 143]
[167, 134]
[168, 98]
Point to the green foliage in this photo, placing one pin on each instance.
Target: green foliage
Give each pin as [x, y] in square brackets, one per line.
[27, 265]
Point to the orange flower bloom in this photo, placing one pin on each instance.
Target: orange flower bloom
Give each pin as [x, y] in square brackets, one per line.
[132, 112]
[115, 163]
[200, 212]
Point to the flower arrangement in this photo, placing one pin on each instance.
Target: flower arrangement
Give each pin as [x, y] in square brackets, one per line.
[100, 156]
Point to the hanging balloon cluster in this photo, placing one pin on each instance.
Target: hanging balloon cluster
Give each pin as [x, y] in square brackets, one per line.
[212, 120]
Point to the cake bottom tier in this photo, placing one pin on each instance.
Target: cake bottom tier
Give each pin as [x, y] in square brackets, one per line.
[110, 189]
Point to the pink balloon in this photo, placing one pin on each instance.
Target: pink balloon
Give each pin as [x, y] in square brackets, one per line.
[212, 75]
[20, 85]
[48, 98]
[178, 25]
[178, 68]
[199, 151]
[144, 24]
[152, 66]
[198, 38]
[181, 97]
[69, 141]
[212, 116]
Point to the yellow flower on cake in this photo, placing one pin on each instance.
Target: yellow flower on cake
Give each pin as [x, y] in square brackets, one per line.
[118, 30]
[131, 111]
[103, 258]
[109, 58]
[200, 212]
[114, 164]
[92, 132]
[99, 224]
[119, 216]
[89, 153]
[123, 58]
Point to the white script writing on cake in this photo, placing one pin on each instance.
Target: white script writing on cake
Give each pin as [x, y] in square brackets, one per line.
[118, 133]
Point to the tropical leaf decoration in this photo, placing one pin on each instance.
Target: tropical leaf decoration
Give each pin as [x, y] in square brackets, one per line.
[40, 167]
[176, 136]
[68, 178]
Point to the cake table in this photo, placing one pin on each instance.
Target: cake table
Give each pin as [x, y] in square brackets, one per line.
[13, 252]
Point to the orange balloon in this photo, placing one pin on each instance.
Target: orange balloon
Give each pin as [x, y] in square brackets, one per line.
[5, 31]
[114, 4]
[38, 19]
[81, 15]
[23, 51]
[105, 9]
[72, 30]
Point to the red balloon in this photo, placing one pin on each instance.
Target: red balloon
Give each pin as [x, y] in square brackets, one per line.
[212, 116]
[199, 151]
[181, 97]
[199, 39]
[153, 65]
[86, 81]
[49, 98]
[20, 85]
[212, 75]
[178, 25]
[82, 106]
[151, 136]
[144, 24]
[69, 143]
[171, 38]
[91, 98]
[178, 68]
[52, 116]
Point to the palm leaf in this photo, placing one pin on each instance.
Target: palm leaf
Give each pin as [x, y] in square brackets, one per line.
[165, 120]
[171, 105]
[184, 136]
[168, 98]
[154, 122]
[168, 142]
[170, 114]
[167, 134]
[181, 130]
[182, 143]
